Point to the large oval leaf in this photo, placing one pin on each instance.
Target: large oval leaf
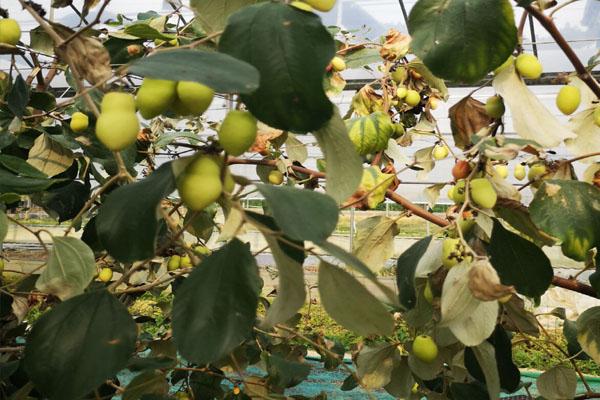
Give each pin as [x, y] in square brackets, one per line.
[351, 304]
[588, 332]
[126, 224]
[215, 307]
[76, 346]
[219, 71]
[291, 49]
[477, 36]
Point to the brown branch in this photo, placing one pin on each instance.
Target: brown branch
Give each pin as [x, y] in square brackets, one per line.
[575, 286]
[415, 209]
[549, 25]
[273, 163]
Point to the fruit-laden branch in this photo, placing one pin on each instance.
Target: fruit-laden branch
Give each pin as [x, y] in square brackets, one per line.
[549, 25]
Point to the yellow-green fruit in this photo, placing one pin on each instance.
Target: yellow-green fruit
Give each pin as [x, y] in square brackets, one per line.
[528, 66]
[10, 31]
[202, 250]
[412, 98]
[105, 274]
[433, 103]
[155, 96]
[79, 122]
[576, 247]
[466, 224]
[459, 191]
[275, 177]
[228, 182]
[194, 96]
[535, 171]
[117, 130]
[424, 348]
[302, 6]
[452, 250]
[399, 130]
[494, 107]
[205, 165]
[174, 263]
[501, 170]
[186, 262]
[370, 133]
[415, 389]
[199, 191]
[568, 99]
[117, 101]
[440, 152]
[520, 172]
[338, 64]
[321, 5]
[237, 132]
[427, 293]
[597, 116]
[483, 193]
[399, 75]
[451, 193]
[401, 92]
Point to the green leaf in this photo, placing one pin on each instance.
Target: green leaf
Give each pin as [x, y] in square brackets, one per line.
[219, 71]
[406, 266]
[20, 166]
[41, 41]
[3, 225]
[215, 307]
[519, 262]
[588, 332]
[573, 346]
[362, 58]
[291, 293]
[579, 205]
[375, 365]
[146, 363]
[401, 379]
[485, 357]
[291, 95]
[65, 344]
[344, 165]
[479, 36]
[201, 224]
[44, 101]
[318, 212]
[374, 243]
[558, 383]
[71, 267]
[213, 14]
[18, 96]
[350, 304]
[63, 202]
[285, 373]
[148, 382]
[518, 217]
[145, 31]
[11, 183]
[127, 224]
[471, 391]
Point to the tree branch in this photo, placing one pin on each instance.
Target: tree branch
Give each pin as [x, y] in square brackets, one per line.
[549, 25]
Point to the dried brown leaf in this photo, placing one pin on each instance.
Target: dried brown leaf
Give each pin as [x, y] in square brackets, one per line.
[467, 117]
[484, 282]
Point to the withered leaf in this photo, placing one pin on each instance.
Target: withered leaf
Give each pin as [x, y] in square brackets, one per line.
[467, 117]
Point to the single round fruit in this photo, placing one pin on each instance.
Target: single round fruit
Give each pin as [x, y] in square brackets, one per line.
[228, 182]
[597, 116]
[483, 193]
[440, 152]
[401, 92]
[452, 252]
[134, 50]
[105, 274]
[338, 64]
[451, 193]
[412, 98]
[399, 75]
[194, 96]
[536, 171]
[461, 170]
[433, 103]
[79, 122]
[117, 130]
[117, 101]
[459, 191]
[302, 6]
[205, 165]
[568, 99]
[186, 262]
[427, 293]
[155, 96]
[415, 388]
[576, 246]
[199, 191]
[465, 224]
[501, 170]
[174, 263]
[202, 250]
[237, 132]
[321, 5]
[425, 349]
[10, 31]
[370, 133]
[494, 107]
[398, 130]
[275, 177]
[528, 66]
[520, 172]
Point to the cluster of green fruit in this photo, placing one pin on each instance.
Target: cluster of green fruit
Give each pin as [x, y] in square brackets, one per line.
[10, 31]
[176, 261]
[311, 5]
[203, 181]
[184, 98]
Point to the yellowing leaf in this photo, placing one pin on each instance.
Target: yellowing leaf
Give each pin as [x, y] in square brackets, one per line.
[375, 183]
[530, 118]
[375, 241]
[588, 134]
[49, 157]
